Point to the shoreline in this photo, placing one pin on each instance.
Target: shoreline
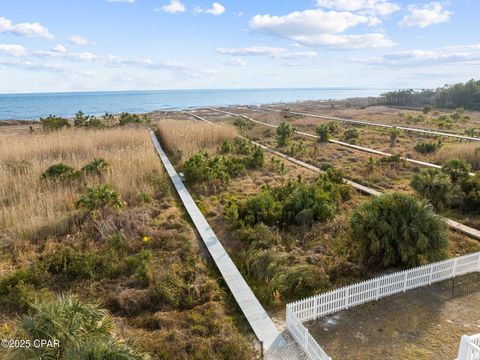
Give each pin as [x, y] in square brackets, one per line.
[352, 102]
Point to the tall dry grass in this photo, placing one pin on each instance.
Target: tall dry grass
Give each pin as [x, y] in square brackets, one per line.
[191, 136]
[469, 152]
[31, 207]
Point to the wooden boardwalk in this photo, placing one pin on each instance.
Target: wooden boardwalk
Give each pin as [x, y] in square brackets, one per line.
[258, 319]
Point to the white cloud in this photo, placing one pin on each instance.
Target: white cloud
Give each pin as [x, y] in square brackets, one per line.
[216, 9]
[28, 65]
[274, 52]
[13, 50]
[183, 68]
[426, 15]
[24, 29]
[362, 41]
[73, 56]
[377, 7]
[321, 28]
[462, 55]
[80, 40]
[234, 62]
[175, 6]
[59, 49]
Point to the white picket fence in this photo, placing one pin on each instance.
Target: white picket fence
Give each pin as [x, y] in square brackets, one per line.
[469, 348]
[343, 298]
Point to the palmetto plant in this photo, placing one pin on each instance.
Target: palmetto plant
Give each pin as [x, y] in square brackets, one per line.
[397, 229]
[433, 185]
[457, 170]
[84, 331]
[99, 197]
[96, 167]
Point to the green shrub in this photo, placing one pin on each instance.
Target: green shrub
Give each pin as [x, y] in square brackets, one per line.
[458, 170]
[96, 167]
[397, 229]
[127, 118]
[169, 287]
[292, 203]
[299, 281]
[260, 208]
[72, 264]
[427, 147]
[434, 186]
[99, 197]
[84, 331]
[259, 236]
[60, 172]
[52, 122]
[394, 132]
[415, 118]
[86, 121]
[202, 168]
[323, 131]
[426, 109]
[284, 134]
[351, 135]
[471, 187]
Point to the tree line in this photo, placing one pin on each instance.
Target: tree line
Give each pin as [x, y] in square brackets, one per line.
[461, 95]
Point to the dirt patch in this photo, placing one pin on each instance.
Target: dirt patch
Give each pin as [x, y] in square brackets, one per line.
[424, 323]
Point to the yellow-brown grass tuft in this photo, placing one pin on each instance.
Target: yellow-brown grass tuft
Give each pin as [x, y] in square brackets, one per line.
[30, 206]
[469, 152]
[191, 136]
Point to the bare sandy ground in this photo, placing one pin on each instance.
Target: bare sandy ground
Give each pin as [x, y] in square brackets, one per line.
[425, 323]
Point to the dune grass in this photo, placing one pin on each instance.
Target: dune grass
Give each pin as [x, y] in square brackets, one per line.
[30, 206]
[190, 136]
[469, 152]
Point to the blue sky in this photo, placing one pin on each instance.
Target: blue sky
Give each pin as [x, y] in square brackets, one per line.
[58, 45]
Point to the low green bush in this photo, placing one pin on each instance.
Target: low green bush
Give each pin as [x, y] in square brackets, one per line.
[427, 147]
[351, 135]
[87, 121]
[99, 197]
[285, 132]
[52, 122]
[60, 172]
[293, 203]
[323, 132]
[127, 118]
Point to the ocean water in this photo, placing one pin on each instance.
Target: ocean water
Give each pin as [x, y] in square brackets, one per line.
[34, 106]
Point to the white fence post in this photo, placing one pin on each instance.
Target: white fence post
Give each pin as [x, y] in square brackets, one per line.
[405, 282]
[430, 277]
[463, 349]
[377, 284]
[455, 267]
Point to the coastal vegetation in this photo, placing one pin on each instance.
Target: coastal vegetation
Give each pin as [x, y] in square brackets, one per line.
[460, 95]
[92, 233]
